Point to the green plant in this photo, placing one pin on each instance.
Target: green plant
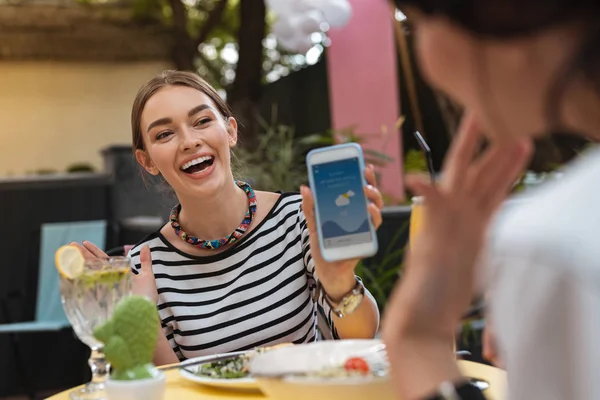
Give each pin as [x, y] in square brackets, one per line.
[415, 161]
[379, 276]
[468, 335]
[129, 338]
[345, 135]
[277, 163]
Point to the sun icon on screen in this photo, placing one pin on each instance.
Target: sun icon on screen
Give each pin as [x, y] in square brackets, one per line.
[344, 199]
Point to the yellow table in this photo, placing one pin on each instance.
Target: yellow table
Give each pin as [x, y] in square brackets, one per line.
[179, 388]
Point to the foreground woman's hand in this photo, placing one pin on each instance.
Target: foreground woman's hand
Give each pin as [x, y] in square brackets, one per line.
[437, 286]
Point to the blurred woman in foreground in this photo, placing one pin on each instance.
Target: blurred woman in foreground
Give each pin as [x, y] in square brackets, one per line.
[522, 69]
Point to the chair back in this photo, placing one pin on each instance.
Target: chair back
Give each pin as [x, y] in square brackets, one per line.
[49, 306]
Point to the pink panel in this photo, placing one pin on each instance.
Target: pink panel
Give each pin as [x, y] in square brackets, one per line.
[363, 84]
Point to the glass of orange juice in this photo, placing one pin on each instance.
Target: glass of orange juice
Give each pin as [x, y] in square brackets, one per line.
[416, 217]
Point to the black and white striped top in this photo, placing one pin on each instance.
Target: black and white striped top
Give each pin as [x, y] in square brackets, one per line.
[259, 292]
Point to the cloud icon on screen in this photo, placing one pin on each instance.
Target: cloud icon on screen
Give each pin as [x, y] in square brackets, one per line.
[344, 199]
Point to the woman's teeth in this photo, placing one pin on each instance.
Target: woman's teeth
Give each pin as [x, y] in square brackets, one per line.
[195, 162]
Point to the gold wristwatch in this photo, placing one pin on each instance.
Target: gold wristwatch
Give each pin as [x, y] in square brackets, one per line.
[349, 303]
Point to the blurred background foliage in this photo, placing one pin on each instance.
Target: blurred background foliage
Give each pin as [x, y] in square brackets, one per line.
[226, 43]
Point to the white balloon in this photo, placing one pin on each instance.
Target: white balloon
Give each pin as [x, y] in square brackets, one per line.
[304, 44]
[288, 43]
[282, 7]
[296, 44]
[310, 21]
[337, 12]
[303, 5]
[284, 27]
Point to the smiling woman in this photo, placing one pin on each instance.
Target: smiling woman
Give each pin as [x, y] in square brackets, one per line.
[220, 284]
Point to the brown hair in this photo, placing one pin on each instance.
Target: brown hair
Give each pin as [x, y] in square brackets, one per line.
[164, 79]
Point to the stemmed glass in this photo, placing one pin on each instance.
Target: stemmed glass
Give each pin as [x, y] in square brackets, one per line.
[88, 301]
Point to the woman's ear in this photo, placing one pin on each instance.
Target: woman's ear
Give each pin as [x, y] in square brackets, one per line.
[232, 131]
[144, 160]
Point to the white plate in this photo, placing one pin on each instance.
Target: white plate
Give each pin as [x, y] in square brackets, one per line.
[234, 384]
[314, 357]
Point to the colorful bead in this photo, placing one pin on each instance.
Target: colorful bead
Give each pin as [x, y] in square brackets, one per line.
[229, 239]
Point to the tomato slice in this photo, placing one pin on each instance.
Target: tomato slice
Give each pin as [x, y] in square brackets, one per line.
[357, 364]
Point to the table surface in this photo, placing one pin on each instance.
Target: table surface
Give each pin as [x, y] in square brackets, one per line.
[180, 388]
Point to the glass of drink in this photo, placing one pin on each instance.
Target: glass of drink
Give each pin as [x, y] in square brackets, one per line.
[416, 218]
[88, 301]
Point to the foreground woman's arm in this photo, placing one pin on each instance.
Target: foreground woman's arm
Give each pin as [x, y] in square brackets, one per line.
[438, 283]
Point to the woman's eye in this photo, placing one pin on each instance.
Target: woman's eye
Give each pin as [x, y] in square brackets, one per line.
[163, 135]
[202, 121]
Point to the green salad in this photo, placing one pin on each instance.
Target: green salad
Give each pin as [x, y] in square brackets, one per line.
[234, 368]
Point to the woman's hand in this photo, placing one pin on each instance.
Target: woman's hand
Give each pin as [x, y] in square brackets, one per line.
[143, 283]
[89, 250]
[457, 211]
[438, 283]
[337, 278]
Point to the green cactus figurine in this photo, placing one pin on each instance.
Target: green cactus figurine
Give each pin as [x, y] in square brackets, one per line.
[130, 337]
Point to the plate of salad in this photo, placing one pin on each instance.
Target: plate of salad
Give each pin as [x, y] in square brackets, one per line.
[232, 373]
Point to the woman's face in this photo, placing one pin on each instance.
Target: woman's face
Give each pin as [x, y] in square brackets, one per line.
[187, 141]
[505, 83]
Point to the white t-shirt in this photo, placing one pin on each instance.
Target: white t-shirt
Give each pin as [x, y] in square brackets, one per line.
[544, 282]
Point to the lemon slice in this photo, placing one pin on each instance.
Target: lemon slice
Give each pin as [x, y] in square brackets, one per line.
[69, 262]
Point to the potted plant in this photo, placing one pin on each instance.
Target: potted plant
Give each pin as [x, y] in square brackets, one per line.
[129, 338]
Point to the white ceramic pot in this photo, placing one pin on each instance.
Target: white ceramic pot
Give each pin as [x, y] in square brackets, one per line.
[143, 389]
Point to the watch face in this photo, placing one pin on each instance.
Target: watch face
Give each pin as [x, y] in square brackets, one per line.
[351, 303]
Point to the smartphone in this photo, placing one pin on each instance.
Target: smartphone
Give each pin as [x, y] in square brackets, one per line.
[336, 175]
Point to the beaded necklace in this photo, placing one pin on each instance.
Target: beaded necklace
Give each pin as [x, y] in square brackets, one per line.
[232, 237]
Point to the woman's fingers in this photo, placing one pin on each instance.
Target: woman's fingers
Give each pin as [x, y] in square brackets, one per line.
[462, 152]
[420, 186]
[144, 283]
[85, 252]
[146, 260]
[95, 250]
[370, 175]
[375, 213]
[374, 196]
[494, 174]
[505, 183]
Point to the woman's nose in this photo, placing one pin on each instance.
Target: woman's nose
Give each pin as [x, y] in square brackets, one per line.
[191, 140]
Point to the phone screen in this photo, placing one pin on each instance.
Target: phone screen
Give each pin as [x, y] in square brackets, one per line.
[341, 203]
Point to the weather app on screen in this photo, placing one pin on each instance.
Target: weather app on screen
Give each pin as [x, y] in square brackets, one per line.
[341, 203]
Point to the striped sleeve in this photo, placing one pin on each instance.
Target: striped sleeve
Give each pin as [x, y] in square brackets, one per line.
[170, 335]
[326, 324]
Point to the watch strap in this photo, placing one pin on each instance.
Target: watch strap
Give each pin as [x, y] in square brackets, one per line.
[358, 289]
